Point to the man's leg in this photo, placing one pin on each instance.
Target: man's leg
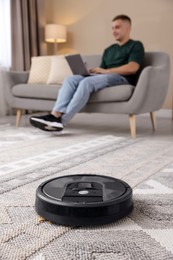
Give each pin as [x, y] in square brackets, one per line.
[52, 122]
[87, 86]
[66, 93]
[69, 105]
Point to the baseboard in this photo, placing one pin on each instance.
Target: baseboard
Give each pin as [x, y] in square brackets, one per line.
[167, 113]
[164, 113]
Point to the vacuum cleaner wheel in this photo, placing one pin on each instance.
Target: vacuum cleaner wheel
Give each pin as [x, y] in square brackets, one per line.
[85, 199]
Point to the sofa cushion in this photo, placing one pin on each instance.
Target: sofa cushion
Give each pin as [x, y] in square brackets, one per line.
[112, 94]
[42, 91]
[40, 69]
[59, 70]
[36, 91]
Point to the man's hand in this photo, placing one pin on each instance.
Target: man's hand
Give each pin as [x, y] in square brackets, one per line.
[99, 70]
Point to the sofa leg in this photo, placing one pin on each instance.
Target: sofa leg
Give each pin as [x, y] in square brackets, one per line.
[132, 120]
[19, 113]
[153, 120]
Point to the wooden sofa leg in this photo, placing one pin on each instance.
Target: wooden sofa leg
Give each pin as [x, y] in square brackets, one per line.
[153, 120]
[19, 113]
[132, 120]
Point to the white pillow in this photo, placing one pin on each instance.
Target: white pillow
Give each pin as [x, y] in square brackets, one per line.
[40, 69]
[59, 70]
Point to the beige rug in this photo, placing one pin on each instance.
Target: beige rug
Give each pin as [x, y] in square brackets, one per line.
[29, 157]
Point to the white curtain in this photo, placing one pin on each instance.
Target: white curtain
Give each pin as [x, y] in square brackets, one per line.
[5, 48]
[5, 34]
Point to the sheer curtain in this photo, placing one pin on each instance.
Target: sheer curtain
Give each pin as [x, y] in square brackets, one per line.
[5, 34]
[5, 48]
[21, 37]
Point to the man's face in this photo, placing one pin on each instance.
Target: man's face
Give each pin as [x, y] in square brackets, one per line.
[120, 30]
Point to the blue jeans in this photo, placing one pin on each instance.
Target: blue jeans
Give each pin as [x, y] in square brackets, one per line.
[76, 90]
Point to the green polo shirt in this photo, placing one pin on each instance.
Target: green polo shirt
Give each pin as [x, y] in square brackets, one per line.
[117, 55]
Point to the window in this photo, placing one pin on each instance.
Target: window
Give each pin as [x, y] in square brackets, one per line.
[5, 34]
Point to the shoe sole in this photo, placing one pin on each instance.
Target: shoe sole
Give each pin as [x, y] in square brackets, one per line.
[54, 124]
[44, 126]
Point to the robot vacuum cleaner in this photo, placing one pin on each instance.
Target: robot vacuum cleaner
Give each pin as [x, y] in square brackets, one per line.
[82, 200]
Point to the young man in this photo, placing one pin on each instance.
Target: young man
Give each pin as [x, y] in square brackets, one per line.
[120, 65]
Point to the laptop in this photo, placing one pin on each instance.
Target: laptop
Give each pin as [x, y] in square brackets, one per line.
[77, 65]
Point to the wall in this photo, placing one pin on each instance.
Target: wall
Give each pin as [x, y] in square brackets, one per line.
[89, 25]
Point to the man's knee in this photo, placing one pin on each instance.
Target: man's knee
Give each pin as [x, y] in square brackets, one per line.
[89, 84]
[86, 86]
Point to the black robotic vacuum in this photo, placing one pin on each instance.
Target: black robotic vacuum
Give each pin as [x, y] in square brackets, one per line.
[82, 200]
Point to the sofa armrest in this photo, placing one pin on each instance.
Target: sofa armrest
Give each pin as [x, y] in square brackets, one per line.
[150, 90]
[15, 77]
[10, 79]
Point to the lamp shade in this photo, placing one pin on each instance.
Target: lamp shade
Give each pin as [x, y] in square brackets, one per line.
[55, 33]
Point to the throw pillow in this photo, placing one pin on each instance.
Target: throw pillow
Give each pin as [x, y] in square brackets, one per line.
[59, 70]
[40, 69]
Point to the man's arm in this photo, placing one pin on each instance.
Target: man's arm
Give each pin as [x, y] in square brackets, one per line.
[127, 69]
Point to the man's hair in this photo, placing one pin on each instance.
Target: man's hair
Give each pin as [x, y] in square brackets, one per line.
[122, 17]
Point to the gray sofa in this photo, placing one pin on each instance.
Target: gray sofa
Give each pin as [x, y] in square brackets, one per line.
[147, 96]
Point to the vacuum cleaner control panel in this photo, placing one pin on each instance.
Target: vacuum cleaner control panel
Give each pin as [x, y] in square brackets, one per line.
[83, 192]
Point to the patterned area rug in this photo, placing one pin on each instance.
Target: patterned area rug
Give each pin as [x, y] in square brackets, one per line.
[29, 157]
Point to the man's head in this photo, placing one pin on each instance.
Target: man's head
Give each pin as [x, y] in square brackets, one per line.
[121, 26]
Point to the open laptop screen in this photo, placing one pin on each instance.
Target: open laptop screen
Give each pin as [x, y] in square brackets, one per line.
[77, 65]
